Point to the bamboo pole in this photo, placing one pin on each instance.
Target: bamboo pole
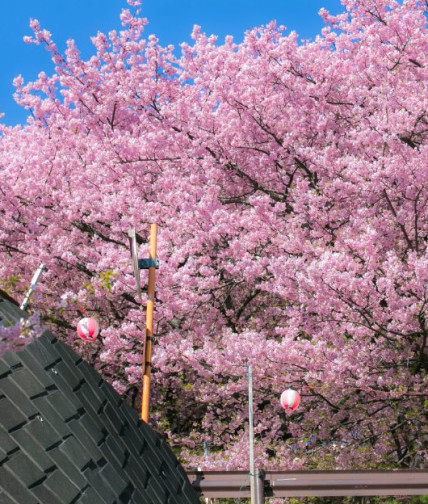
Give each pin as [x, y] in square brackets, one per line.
[147, 357]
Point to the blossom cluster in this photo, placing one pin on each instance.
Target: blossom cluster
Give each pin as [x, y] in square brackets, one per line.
[17, 336]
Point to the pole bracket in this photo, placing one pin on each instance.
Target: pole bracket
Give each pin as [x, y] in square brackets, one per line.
[148, 263]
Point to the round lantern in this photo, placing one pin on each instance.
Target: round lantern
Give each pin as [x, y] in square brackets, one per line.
[290, 400]
[88, 329]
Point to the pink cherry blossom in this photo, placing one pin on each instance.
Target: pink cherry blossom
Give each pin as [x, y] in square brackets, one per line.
[289, 181]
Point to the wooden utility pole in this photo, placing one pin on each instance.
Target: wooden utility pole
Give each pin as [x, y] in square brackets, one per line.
[147, 357]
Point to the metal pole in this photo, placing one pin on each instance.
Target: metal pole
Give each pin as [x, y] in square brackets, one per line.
[147, 357]
[251, 434]
[260, 486]
[33, 286]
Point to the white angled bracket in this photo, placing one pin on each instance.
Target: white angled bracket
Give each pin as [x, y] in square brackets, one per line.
[134, 256]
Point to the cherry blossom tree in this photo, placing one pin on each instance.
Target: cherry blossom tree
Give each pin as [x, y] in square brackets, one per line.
[289, 181]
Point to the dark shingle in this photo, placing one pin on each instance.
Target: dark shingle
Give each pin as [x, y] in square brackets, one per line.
[67, 437]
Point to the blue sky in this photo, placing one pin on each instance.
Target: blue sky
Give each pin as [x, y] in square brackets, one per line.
[170, 20]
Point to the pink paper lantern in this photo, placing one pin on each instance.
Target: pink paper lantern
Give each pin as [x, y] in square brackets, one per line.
[88, 329]
[290, 400]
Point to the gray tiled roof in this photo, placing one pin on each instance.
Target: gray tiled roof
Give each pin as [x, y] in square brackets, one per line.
[9, 311]
[67, 437]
